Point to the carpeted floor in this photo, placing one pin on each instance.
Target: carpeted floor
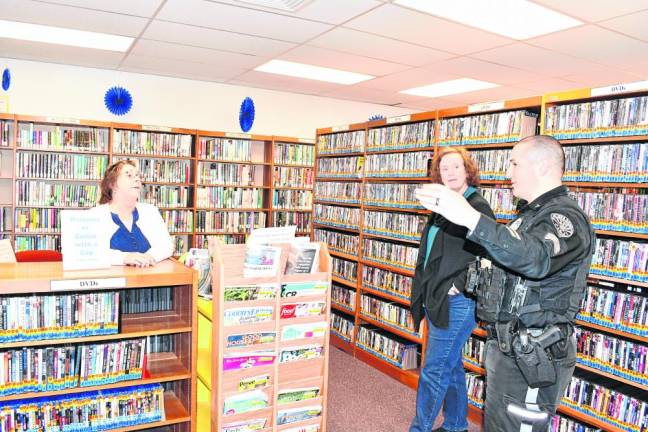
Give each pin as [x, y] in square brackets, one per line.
[362, 399]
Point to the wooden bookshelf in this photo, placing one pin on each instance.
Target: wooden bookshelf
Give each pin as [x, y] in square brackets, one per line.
[176, 369]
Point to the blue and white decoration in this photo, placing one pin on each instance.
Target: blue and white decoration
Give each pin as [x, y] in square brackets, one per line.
[246, 115]
[6, 79]
[376, 117]
[118, 100]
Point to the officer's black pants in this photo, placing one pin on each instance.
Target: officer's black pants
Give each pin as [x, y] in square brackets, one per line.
[505, 384]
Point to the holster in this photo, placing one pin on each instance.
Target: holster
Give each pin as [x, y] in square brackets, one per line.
[532, 357]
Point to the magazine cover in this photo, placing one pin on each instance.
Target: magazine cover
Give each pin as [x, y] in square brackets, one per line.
[298, 414]
[254, 382]
[248, 339]
[235, 361]
[247, 315]
[261, 261]
[250, 292]
[296, 395]
[297, 310]
[245, 426]
[300, 353]
[307, 330]
[297, 289]
[245, 402]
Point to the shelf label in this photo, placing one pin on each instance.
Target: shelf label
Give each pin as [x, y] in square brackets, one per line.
[486, 106]
[620, 88]
[607, 284]
[307, 140]
[62, 120]
[87, 284]
[238, 135]
[340, 128]
[157, 128]
[399, 119]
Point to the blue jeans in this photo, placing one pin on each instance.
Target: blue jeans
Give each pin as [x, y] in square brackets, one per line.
[443, 380]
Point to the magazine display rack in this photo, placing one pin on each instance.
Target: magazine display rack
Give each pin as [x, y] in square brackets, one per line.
[263, 346]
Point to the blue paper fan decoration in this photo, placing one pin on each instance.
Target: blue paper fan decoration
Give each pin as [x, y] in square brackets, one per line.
[6, 79]
[376, 117]
[246, 115]
[118, 100]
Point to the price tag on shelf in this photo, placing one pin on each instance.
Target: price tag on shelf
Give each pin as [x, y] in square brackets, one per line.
[486, 106]
[238, 135]
[87, 284]
[154, 128]
[399, 119]
[340, 128]
[67, 120]
[620, 88]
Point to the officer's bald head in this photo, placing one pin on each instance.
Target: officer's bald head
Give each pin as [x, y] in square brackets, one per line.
[543, 149]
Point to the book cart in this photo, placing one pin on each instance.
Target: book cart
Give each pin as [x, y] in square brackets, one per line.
[229, 365]
[78, 348]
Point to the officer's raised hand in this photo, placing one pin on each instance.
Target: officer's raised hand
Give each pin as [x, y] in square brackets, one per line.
[449, 204]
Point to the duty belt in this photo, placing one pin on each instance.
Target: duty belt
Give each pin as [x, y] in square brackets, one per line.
[566, 329]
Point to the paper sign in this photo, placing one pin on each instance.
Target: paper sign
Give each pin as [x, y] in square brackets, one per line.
[620, 88]
[6, 252]
[398, 119]
[485, 106]
[84, 240]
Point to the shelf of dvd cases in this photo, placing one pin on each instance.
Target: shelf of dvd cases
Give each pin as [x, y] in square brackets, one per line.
[52, 320]
[264, 345]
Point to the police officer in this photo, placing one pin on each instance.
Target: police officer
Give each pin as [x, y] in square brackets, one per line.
[544, 257]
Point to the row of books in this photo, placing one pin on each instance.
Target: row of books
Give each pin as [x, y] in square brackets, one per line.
[397, 195]
[68, 138]
[343, 193]
[60, 166]
[509, 126]
[6, 133]
[202, 240]
[343, 296]
[395, 350]
[229, 222]
[152, 143]
[166, 196]
[413, 164]
[294, 154]
[5, 219]
[399, 226]
[389, 282]
[337, 241]
[346, 142]
[564, 424]
[344, 269]
[181, 244]
[604, 118]
[221, 173]
[476, 388]
[391, 254]
[37, 242]
[25, 318]
[38, 193]
[336, 216]
[342, 326]
[501, 201]
[473, 351]
[621, 210]
[292, 199]
[612, 309]
[624, 163]
[340, 167]
[218, 197]
[146, 300]
[92, 411]
[300, 219]
[606, 404]
[37, 220]
[293, 177]
[389, 313]
[236, 150]
[162, 170]
[403, 136]
[621, 259]
[178, 220]
[492, 164]
[610, 354]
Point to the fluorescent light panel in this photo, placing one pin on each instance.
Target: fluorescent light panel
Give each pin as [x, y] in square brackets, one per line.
[64, 36]
[301, 70]
[461, 85]
[517, 19]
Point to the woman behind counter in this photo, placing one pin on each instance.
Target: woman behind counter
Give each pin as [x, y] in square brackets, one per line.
[439, 280]
[138, 234]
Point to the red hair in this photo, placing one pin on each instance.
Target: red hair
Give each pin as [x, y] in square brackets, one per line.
[472, 170]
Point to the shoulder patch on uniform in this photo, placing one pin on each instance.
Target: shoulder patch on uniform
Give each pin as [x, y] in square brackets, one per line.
[516, 224]
[563, 225]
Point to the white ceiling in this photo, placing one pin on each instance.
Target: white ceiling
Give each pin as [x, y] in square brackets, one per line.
[223, 41]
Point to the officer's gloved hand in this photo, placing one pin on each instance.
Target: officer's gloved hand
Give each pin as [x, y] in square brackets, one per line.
[539, 420]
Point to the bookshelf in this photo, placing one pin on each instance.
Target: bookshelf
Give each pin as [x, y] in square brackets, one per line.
[141, 369]
[621, 232]
[266, 369]
[48, 164]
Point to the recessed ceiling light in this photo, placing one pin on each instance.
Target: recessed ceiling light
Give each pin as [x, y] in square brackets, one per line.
[64, 36]
[461, 85]
[517, 19]
[307, 71]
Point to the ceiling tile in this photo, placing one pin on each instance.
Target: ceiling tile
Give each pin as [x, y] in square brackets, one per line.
[185, 69]
[594, 10]
[603, 77]
[485, 71]
[594, 43]
[142, 8]
[343, 61]
[365, 94]
[71, 17]
[407, 79]
[632, 25]
[176, 52]
[419, 28]
[378, 47]
[241, 20]
[432, 104]
[491, 95]
[214, 39]
[61, 54]
[283, 83]
[549, 85]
